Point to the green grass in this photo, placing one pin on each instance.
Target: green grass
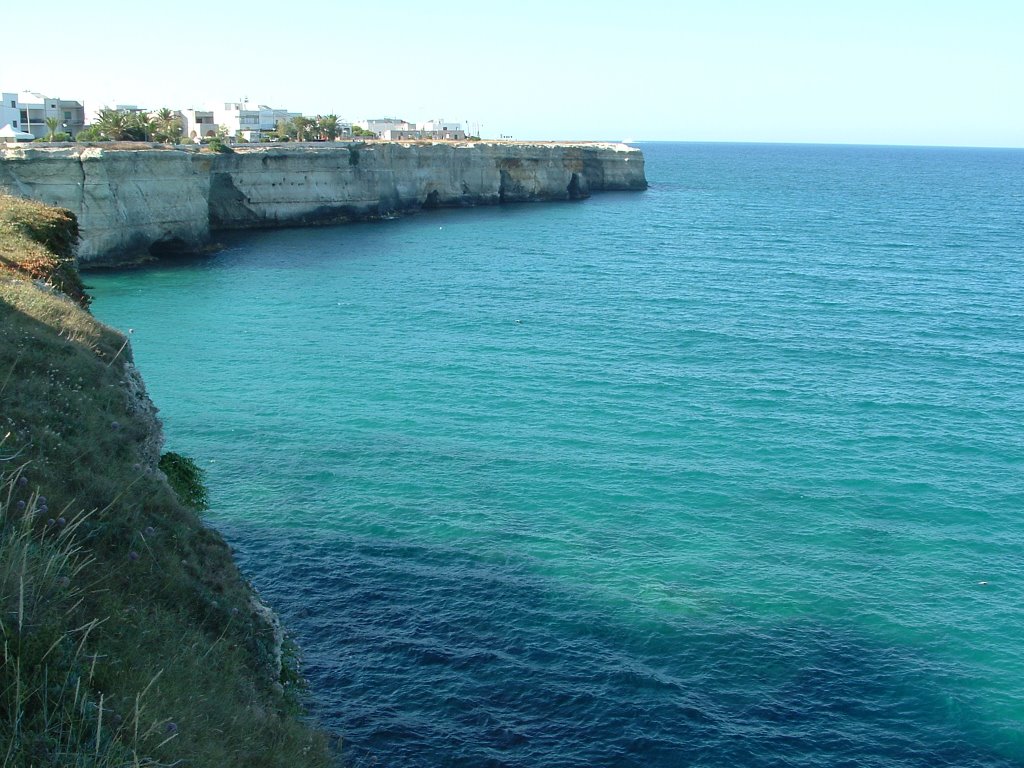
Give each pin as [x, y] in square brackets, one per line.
[128, 635]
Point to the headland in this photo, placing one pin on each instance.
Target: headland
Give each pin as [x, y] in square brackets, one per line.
[134, 201]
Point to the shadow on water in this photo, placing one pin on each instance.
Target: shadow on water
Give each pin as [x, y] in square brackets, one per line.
[426, 656]
[173, 256]
[753, 325]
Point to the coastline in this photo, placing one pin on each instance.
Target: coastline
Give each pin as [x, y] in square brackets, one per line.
[83, 460]
[134, 201]
[131, 637]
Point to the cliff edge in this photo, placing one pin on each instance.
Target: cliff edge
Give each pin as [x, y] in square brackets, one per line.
[130, 637]
[148, 200]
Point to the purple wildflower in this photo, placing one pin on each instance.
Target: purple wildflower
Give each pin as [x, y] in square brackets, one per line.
[172, 727]
[133, 555]
[20, 505]
[150, 530]
[22, 481]
[115, 425]
[41, 501]
[61, 522]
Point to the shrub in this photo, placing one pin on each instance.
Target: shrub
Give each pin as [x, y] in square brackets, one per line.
[186, 478]
[216, 144]
[92, 133]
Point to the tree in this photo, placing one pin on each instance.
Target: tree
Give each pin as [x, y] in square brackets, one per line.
[112, 124]
[327, 127]
[168, 126]
[92, 133]
[140, 126]
[118, 125]
[51, 125]
[302, 127]
[283, 130]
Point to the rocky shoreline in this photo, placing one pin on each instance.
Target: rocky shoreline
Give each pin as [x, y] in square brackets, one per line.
[138, 201]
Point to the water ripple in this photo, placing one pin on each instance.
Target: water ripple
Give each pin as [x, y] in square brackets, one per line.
[725, 473]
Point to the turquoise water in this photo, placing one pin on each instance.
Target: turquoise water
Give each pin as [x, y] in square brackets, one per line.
[728, 472]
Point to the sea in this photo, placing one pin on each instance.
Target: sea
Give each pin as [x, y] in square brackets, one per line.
[729, 472]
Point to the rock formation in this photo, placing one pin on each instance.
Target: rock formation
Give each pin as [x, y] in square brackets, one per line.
[155, 201]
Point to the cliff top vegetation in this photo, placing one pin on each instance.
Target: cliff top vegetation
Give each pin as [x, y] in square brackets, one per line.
[128, 635]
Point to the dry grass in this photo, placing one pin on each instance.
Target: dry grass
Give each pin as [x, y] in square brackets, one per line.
[128, 635]
[39, 241]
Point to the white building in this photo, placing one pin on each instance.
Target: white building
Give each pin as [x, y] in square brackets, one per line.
[9, 114]
[28, 111]
[198, 123]
[432, 129]
[243, 119]
[440, 125]
[380, 125]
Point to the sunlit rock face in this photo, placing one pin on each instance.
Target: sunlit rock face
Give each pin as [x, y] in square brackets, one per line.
[128, 202]
[134, 202]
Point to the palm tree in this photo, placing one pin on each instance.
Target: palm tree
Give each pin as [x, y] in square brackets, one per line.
[112, 124]
[51, 125]
[168, 126]
[140, 126]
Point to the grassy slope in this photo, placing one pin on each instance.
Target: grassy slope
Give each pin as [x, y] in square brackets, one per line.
[128, 636]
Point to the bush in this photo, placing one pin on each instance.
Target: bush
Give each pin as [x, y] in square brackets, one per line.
[58, 136]
[186, 478]
[216, 144]
[92, 133]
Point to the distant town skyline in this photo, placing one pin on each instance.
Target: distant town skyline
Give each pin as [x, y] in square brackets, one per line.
[927, 73]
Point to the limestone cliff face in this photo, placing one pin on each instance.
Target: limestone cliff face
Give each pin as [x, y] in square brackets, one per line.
[128, 202]
[132, 201]
[267, 186]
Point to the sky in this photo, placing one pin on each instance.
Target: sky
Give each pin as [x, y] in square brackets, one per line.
[896, 72]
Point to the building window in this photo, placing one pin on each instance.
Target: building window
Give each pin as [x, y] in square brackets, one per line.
[14, 105]
[15, 123]
[67, 115]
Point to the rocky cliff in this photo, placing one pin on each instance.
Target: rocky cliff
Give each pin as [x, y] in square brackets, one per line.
[130, 636]
[132, 202]
[266, 186]
[128, 201]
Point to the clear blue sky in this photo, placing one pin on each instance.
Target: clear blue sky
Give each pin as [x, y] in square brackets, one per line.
[941, 73]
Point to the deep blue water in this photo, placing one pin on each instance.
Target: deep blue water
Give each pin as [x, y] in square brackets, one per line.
[728, 472]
